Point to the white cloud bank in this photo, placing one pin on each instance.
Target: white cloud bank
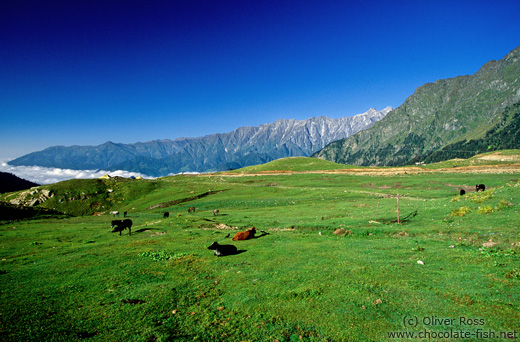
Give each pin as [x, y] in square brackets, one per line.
[48, 175]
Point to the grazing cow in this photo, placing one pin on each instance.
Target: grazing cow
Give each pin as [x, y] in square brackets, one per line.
[222, 250]
[480, 187]
[462, 192]
[124, 214]
[191, 210]
[120, 225]
[114, 213]
[166, 214]
[248, 234]
[216, 212]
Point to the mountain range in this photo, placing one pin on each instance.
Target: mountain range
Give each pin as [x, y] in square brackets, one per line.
[217, 152]
[450, 118]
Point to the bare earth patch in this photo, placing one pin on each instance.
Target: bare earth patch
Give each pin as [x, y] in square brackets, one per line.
[223, 226]
[490, 243]
[500, 157]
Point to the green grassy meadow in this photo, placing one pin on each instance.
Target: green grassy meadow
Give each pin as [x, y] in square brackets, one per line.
[68, 278]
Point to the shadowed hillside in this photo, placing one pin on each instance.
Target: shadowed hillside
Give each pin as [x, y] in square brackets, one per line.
[10, 183]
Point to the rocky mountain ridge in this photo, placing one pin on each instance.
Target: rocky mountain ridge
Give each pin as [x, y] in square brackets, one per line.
[217, 152]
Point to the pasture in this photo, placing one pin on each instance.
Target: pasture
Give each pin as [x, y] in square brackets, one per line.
[71, 279]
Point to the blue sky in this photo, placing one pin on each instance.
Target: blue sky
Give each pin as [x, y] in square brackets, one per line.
[84, 72]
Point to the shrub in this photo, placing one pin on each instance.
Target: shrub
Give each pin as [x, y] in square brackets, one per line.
[485, 210]
[482, 196]
[460, 211]
[504, 204]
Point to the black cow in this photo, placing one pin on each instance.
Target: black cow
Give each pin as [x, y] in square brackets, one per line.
[462, 192]
[480, 187]
[166, 214]
[222, 250]
[120, 225]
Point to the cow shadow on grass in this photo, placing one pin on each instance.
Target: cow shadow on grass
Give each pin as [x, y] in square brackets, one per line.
[142, 230]
[240, 251]
[263, 233]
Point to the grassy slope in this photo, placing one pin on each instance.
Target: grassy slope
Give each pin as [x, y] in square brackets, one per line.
[67, 279]
[502, 157]
[294, 164]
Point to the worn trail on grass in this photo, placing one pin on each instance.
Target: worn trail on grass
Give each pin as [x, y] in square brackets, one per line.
[184, 200]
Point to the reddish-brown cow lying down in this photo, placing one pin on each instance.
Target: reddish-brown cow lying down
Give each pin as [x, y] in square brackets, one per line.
[248, 234]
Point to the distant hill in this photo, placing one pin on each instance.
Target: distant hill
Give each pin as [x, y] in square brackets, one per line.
[297, 164]
[218, 152]
[10, 183]
[451, 118]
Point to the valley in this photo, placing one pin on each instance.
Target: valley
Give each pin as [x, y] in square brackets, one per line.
[334, 264]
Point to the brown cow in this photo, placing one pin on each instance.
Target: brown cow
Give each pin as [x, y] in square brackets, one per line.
[216, 212]
[248, 234]
[191, 210]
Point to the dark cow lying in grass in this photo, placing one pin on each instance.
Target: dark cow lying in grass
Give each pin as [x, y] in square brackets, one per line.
[222, 250]
[480, 187]
[166, 214]
[120, 225]
[248, 234]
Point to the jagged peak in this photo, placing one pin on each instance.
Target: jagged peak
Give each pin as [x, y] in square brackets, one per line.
[370, 111]
[386, 110]
[513, 53]
[240, 147]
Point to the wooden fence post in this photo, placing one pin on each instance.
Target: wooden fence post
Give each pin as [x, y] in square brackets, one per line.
[398, 222]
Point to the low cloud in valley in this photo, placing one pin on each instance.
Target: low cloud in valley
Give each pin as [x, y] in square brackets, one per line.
[47, 175]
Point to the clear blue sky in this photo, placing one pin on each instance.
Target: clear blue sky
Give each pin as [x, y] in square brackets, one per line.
[83, 72]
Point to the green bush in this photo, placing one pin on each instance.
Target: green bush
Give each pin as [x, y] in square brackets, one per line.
[462, 211]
